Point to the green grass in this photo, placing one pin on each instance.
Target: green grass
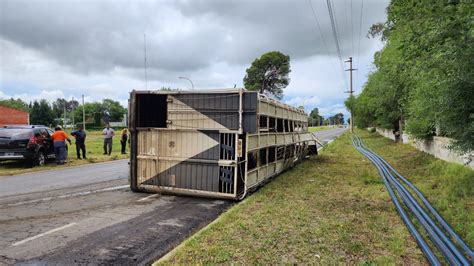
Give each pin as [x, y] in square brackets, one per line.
[94, 149]
[333, 208]
[320, 128]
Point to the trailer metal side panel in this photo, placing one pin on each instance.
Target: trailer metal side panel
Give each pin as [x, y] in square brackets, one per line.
[198, 143]
[166, 159]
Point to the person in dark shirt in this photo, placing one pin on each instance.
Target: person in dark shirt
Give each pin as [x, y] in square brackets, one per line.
[123, 140]
[80, 136]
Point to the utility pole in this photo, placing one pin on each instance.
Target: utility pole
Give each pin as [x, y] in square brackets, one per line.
[351, 91]
[83, 114]
[64, 122]
[72, 104]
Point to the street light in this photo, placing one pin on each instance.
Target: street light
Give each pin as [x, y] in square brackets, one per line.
[192, 85]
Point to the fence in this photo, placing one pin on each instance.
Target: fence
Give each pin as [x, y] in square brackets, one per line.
[438, 147]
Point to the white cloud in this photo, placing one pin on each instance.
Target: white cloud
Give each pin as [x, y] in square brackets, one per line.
[67, 48]
[49, 95]
[303, 101]
[334, 109]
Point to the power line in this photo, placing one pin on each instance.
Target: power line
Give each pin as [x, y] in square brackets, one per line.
[319, 26]
[358, 46]
[352, 32]
[337, 27]
[335, 35]
[321, 32]
[346, 16]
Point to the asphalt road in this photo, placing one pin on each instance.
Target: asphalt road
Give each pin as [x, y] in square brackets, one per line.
[328, 135]
[88, 215]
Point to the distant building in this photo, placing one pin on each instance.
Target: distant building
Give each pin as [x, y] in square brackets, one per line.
[12, 116]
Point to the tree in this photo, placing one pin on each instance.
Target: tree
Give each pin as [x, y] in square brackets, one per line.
[94, 112]
[339, 119]
[15, 104]
[314, 118]
[62, 104]
[269, 74]
[41, 113]
[115, 110]
[59, 106]
[422, 77]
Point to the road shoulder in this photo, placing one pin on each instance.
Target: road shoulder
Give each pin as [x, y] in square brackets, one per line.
[329, 209]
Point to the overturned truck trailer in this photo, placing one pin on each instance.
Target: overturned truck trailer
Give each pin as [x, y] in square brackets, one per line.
[219, 143]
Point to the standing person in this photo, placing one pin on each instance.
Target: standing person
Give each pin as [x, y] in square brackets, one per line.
[59, 138]
[123, 140]
[80, 136]
[108, 133]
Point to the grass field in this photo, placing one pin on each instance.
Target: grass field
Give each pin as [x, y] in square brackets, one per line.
[320, 128]
[94, 153]
[333, 208]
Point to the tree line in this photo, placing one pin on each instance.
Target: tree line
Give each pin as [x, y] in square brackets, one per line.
[423, 80]
[315, 119]
[62, 111]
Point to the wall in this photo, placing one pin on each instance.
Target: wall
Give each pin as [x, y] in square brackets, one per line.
[386, 133]
[10, 116]
[437, 147]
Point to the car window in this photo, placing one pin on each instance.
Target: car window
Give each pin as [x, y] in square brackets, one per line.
[44, 133]
[15, 133]
[50, 132]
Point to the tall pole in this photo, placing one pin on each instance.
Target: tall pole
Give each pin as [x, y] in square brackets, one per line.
[72, 104]
[83, 114]
[64, 121]
[351, 91]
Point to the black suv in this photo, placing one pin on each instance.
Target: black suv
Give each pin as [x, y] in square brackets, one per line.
[32, 144]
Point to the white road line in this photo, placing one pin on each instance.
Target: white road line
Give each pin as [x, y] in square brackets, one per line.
[82, 193]
[149, 197]
[43, 234]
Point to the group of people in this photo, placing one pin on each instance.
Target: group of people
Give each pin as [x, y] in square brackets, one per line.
[59, 138]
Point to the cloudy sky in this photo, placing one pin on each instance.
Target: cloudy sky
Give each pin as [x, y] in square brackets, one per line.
[51, 49]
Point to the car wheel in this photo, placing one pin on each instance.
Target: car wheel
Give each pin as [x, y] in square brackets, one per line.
[40, 159]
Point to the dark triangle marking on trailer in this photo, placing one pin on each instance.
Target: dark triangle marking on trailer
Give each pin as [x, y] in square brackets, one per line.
[186, 178]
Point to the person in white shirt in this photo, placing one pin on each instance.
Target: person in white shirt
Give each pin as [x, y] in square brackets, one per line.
[108, 133]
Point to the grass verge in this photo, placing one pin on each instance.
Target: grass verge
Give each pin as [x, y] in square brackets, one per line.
[334, 208]
[320, 128]
[94, 154]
